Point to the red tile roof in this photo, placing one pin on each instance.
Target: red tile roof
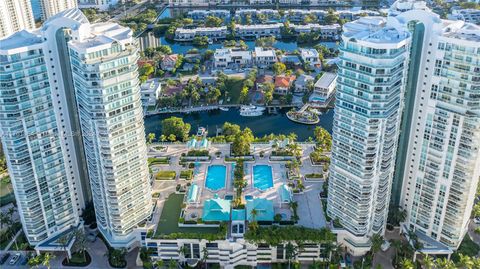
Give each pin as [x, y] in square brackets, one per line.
[283, 81]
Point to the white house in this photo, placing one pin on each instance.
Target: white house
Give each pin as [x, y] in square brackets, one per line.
[150, 91]
[264, 57]
[258, 30]
[183, 34]
[232, 58]
[301, 82]
[310, 56]
[324, 89]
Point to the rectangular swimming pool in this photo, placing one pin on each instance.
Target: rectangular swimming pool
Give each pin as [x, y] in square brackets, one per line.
[216, 175]
[262, 177]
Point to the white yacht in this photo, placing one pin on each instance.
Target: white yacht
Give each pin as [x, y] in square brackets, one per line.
[251, 111]
[222, 108]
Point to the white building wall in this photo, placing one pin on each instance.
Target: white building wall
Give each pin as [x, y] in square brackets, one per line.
[52, 7]
[110, 109]
[15, 15]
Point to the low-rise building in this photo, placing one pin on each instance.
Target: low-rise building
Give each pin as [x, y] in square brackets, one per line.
[302, 82]
[214, 33]
[169, 61]
[224, 58]
[310, 56]
[260, 2]
[150, 92]
[258, 30]
[467, 15]
[331, 32]
[264, 57]
[290, 59]
[198, 15]
[324, 89]
[283, 84]
[97, 4]
[262, 80]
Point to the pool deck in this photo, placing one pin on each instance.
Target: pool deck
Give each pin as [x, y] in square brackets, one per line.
[309, 205]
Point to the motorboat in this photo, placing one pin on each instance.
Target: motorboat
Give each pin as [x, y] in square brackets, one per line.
[222, 108]
[251, 111]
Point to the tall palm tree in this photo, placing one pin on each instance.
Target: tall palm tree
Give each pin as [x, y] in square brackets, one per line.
[254, 224]
[377, 241]
[428, 262]
[182, 251]
[291, 252]
[81, 243]
[406, 264]
[465, 261]
[397, 245]
[444, 264]
[47, 257]
[63, 241]
[205, 256]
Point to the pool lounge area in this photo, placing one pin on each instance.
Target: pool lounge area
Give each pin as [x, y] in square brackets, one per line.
[216, 176]
[262, 177]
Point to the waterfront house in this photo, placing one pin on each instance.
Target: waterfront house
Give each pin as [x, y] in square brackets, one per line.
[301, 83]
[262, 80]
[260, 2]
[150, 91]
[258, 30]
[214, 33]
[264, 57]
[169, 61]
[199, 15]
[324, 89]
[310, 56]
[231, 58]
[330, 32]
[283, 84]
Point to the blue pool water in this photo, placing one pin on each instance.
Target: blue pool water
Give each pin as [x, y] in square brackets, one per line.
[216, 177]
[262, 177]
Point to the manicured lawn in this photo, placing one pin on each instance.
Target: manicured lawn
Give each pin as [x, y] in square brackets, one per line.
[168, 222]
[234, 86]
[152, 161]
[5, 186]
[187, 174]
[165, 175]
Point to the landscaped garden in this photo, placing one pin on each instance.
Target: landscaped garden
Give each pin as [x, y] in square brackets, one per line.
[186, 174]
[158, 160]
[168, 224]
[165, 175]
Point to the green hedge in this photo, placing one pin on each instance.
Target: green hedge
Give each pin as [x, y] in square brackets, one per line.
[165, 175]
[163, 160]
[186, 174]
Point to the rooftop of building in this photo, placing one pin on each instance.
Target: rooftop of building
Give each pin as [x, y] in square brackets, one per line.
[20, 39]
[259, 26]
[309, 52]
[200, 29]
[284, 81]
[264, 52]
[326, 80]
[405, 5]
[374, 30]
[231, 52]
[151, 85]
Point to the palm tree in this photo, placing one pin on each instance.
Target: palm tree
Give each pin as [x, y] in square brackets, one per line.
[406, 264]
[182, 251]
[397, 245]
[377, 241]
[159, 263]
[253, 224]
[81, 243]
[291, 252]
[63, 241]
[47, 257]
[444, 263]
[172, 264]
[465, 261]
[205, 256]
[428, 262]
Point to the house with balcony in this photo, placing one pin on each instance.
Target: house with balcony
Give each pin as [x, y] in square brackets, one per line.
[264, 57]
[213, 33]
[231, 58]
[169, 61]
[258, 30]
[323, 89]
[302, 83]
[150, 92]
[199, 15]
[283, 83]
[311, 57]
[327, 32]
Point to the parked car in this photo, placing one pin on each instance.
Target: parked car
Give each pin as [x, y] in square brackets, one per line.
[4, 258]
[15, 258]
[476, 220]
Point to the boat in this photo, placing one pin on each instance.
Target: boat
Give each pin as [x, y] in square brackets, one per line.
[251, 111]
[222, 108]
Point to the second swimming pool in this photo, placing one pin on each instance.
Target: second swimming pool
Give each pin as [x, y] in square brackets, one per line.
[262, 177]
[216, 177]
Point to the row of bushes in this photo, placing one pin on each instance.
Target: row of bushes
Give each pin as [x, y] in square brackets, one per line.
[165, 175]
[197, 153]
[161, 160]
[186, 174]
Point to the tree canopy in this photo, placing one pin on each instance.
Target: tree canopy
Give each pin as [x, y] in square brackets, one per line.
[175, 126]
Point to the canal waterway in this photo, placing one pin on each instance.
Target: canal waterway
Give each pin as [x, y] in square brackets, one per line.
[260, 126]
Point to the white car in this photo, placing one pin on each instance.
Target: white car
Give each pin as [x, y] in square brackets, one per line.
[476, 220]
[15, 258]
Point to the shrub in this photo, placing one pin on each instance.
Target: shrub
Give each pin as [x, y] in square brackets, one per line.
[187, 174]
[165, 175]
